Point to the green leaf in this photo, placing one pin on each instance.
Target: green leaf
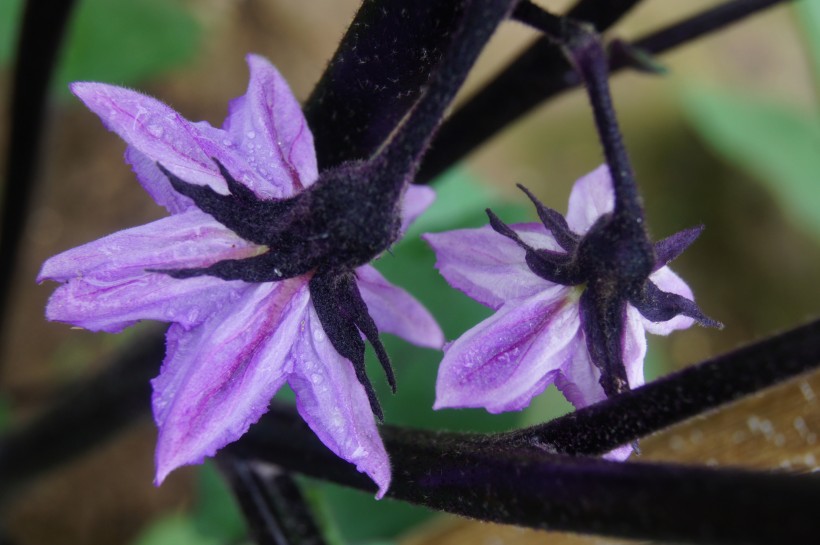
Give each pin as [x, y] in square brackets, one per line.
[174, 530]
[777, 144]
[216, 513]
[117, 41]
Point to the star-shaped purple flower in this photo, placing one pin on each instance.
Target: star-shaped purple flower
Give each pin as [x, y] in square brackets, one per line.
[538, 336]
[232, 343]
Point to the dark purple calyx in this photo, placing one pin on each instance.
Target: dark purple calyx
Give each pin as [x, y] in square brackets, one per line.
[342, 221]
[613, 260]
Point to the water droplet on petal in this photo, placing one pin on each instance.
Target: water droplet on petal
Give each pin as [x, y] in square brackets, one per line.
[316, 378]
[227, 142]
[318, 335]
[155, 130]
[251, 135]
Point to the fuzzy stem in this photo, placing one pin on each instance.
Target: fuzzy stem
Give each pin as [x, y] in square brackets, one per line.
[461, 474]
[583, 47]
[542, 72]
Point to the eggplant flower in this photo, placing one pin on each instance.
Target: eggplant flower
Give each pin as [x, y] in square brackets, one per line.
[546, 324]
[250, 307]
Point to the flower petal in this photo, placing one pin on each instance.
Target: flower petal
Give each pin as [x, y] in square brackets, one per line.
[592, 196]
[107, 288]
[504, 361]
[334, 404]
[190, 239]
[415, 201]
[269, 128]
[396, 311]
[487, 266]
[163, 136]
[668, 281]
[219, 378]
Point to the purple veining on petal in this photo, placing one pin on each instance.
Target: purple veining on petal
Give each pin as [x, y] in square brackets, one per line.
[153, 129]
[504, 361]
[219, 378]
[334, 404]
[396, 311]
[267, 126]
[487, 266]
[190, 239]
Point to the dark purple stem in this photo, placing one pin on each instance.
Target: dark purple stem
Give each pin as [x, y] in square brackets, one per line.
[542, 72]
[696, 390]
[466, 475]
[41, 33]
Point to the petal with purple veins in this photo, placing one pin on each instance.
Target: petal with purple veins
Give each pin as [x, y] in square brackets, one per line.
[334, 404]
[219, 378]
[396, 311]
[112, 306]
[107, 287]
[164, 136]
[592, 196]
[504, 361]
[190, 239]
[487, 266]
[267, 125]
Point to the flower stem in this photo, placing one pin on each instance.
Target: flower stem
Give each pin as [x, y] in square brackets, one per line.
[542, 72]
[679, 396]
[464, 475]
[583, 47]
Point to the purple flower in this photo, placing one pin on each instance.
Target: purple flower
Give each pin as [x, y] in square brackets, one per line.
[538, 335]
[232, 343]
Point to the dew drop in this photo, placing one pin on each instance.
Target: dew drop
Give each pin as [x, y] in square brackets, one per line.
[156, 130]
[251, 135]
[318, 335]
[227, 142]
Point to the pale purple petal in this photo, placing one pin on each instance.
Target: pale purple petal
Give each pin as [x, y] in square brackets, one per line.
[267, 125]
[107, 288]
[487, 266]
[112, 306]
[634, 346]
[334, 404]
[592, 196]
[504, 361]
[396, 311]
[190, 239]
[668, 281]
[155, 182]
[578, 381]
[219, 378]
[415, 201]
[164, 136]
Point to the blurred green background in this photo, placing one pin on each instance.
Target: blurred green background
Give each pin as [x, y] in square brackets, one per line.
[730, 138]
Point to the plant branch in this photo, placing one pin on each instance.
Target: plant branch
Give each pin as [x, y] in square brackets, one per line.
[599, 428]
[542, 72]
[41, 33]
[464, 475]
